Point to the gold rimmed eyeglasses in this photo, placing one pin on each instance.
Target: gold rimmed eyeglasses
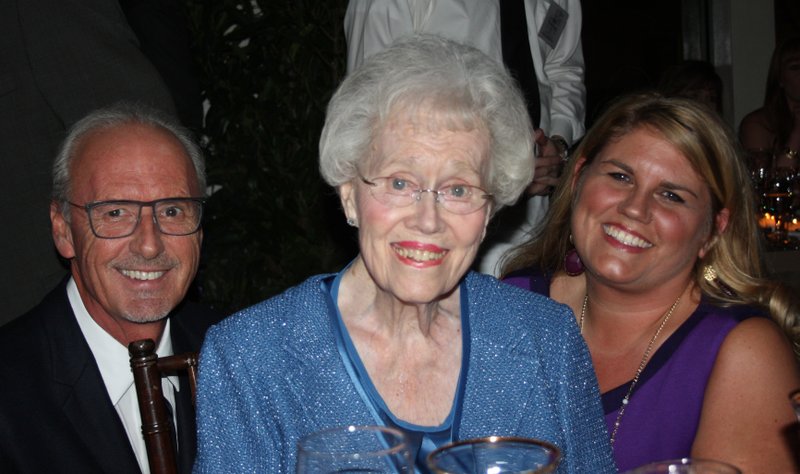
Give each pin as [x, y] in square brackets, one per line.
[458, 198]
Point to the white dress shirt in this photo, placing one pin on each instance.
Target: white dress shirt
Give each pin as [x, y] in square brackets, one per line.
[372, 25]
[114, 363]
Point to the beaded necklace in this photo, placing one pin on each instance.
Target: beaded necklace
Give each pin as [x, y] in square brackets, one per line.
[642, 364]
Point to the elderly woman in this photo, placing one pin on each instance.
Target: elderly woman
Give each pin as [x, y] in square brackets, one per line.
[423, 143]
[652, 241]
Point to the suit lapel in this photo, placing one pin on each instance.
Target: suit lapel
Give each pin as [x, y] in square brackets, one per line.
[186, 330]
[187, 444]
[78, 384]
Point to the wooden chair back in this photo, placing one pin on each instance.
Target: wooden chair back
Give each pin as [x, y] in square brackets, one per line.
[157, 422]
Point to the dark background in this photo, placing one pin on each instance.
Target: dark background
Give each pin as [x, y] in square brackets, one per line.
[266, 77]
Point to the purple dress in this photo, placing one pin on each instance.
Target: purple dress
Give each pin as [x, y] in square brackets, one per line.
[663, 411]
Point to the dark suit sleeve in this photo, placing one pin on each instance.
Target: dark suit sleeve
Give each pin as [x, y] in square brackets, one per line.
[189, 323]
[84, 55]
[163, 32]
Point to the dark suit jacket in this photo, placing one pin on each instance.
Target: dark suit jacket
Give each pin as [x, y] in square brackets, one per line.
[55, 413]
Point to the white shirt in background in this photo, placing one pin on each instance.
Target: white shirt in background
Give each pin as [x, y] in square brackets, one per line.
[372, 25]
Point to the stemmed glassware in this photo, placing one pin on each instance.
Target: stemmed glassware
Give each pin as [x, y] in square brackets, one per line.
[351, 449]
[686, 466]
[777, 192]
[495, 455]
[779, 202]
[760, 167]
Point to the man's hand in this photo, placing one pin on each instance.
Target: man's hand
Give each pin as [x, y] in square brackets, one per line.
[549, 161]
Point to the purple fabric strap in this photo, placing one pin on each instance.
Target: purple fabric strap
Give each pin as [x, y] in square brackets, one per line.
[663, 412]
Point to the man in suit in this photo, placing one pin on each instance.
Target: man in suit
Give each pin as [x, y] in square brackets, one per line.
[59, 60]
[126, 214]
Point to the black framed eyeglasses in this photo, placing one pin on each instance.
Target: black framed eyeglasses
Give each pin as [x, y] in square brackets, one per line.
[117, 219]
[400, 192]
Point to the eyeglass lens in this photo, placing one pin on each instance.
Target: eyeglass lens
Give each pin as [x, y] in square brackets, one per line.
[457, 198]
[112, 219]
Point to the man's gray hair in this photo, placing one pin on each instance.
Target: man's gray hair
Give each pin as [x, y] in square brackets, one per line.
[122, 113]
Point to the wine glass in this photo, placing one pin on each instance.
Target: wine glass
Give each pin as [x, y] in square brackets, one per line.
[495, 455]
[779, 202]
[760, 163]
[349, 449]
[686, 466]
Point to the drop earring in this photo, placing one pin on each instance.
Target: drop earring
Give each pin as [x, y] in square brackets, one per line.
[710, 275]
[572, 261]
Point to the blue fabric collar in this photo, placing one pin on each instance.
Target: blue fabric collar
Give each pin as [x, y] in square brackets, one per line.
[423, 439]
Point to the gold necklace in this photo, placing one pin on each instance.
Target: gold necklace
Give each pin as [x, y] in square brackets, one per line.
[642, 364]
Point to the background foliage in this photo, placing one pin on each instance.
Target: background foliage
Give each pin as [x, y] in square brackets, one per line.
[268, 70]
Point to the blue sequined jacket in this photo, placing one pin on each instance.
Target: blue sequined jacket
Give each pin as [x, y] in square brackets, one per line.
[272, 373]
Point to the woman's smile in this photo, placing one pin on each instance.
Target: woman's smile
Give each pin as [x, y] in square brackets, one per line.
[626, 238]
[417, 252]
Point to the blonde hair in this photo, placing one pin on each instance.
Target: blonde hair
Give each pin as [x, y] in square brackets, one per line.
[736, 255]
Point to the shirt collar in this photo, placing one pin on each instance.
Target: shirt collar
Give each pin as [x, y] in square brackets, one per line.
[111, 356]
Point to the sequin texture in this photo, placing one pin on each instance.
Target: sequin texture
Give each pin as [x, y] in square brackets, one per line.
[271, 374]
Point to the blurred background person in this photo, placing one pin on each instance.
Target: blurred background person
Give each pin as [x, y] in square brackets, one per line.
[423, 143]
[162, 28]
[696, 80]
[539, 41]
[772, 132]
[651, 240]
